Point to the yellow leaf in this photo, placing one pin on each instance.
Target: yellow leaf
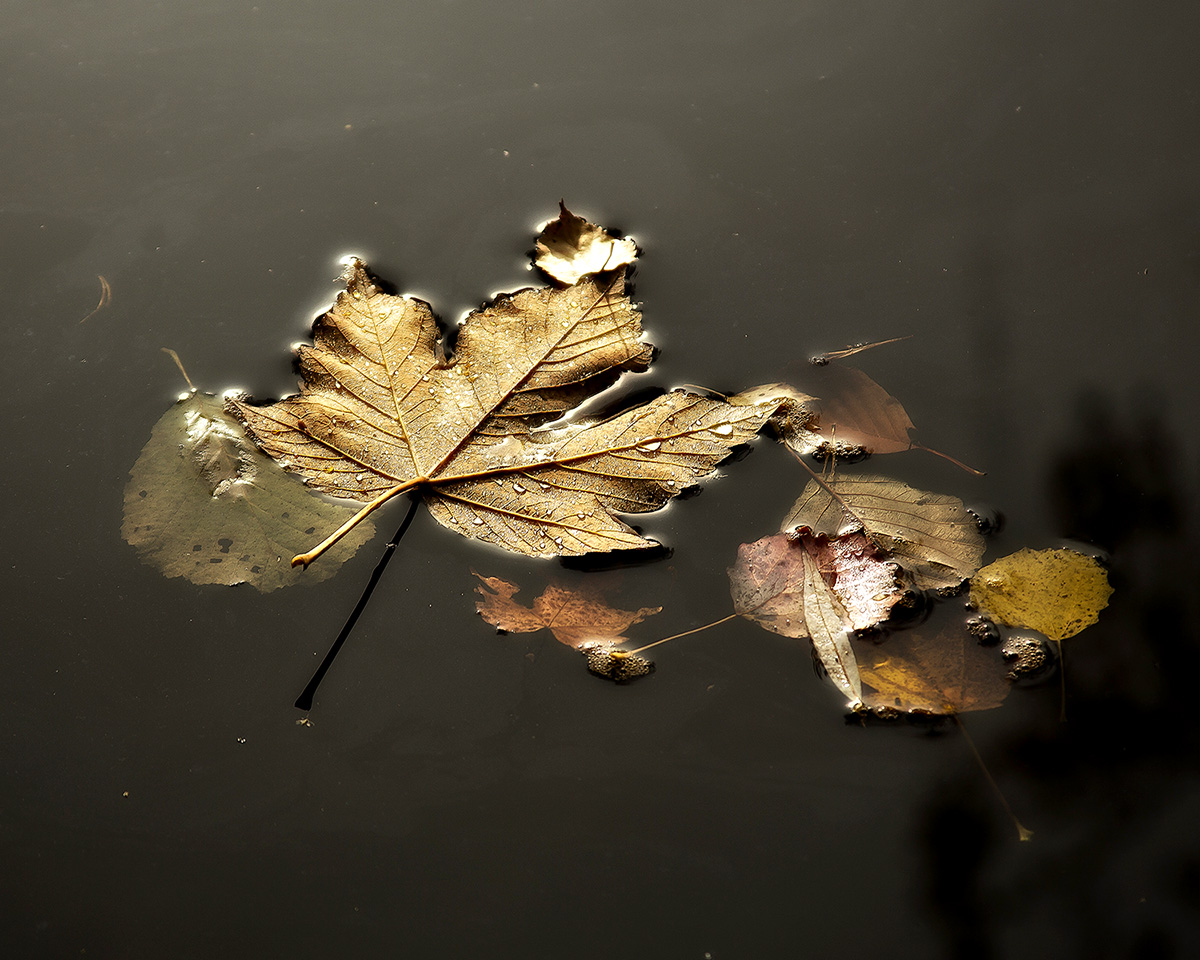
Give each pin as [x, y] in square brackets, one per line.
[1056, 592]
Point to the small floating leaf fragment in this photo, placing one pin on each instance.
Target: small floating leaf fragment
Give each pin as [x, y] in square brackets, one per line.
[571, 248]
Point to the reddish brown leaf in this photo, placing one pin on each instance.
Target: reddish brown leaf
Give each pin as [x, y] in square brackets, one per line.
[863, 579]
[578, 618]
[858, 411]
[818, 588]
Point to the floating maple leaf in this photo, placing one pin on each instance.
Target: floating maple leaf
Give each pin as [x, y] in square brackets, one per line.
[578, 617]
[381, 411]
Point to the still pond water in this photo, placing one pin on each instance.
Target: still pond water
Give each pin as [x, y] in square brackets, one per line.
[1012, 185]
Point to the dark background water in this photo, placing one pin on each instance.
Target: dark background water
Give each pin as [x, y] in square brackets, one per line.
[1013, 184]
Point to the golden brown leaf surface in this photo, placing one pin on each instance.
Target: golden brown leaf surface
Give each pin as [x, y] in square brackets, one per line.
[381, 410]
[570, 247]
[943, 674]
[932, 535]
[576, 617]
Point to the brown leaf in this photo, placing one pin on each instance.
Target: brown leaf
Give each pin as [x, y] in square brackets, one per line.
[861, 413]
[817, 588]
[578, 618]
[381, 411]
[932, 535]
[570, 248]
[943, 674]
[854, 416]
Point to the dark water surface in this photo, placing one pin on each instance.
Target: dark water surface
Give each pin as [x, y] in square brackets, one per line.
[1014, 184]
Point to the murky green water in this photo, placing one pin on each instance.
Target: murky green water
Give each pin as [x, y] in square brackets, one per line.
[1012, 185]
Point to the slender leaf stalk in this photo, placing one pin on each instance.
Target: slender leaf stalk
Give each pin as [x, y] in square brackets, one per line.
[304, 559]
[685, 633]
[1023, 832]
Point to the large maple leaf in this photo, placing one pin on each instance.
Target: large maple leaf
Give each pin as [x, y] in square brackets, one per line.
[382, 411]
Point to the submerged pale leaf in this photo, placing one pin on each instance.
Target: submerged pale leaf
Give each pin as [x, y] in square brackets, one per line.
[1056, 592]
[202, 502]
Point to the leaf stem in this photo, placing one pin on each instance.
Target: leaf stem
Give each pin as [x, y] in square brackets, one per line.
[305, 700]
[685, 633]
[304, 559]
[1023, 832]
[946, 456]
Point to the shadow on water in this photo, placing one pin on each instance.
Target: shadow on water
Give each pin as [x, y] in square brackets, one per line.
[1116, 857]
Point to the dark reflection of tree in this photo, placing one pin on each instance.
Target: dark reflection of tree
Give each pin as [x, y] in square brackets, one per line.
[1113, 793]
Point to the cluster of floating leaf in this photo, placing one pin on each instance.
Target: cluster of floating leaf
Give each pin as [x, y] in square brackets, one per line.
[485, 438]
[841, 589]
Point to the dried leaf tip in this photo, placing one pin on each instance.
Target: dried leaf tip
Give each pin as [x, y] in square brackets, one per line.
[570, 248]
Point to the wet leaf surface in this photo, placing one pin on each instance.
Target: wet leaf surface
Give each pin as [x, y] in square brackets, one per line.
[779, 582]
[932, 535]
